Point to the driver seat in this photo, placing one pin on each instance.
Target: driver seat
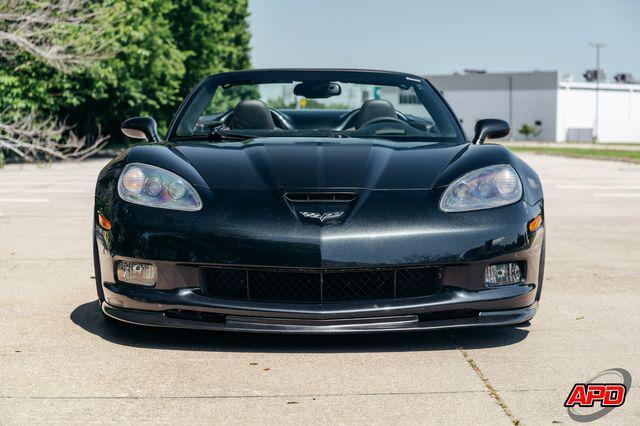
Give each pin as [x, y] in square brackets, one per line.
[374, 108]
[251, 114]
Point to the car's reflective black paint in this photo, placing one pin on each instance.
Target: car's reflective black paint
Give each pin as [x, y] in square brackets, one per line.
[247, 221]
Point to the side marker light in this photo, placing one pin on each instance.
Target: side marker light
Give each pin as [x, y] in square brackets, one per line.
[104, 222]
[535, 224]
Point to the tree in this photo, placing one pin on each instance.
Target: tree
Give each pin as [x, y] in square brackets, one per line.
[32, 137]
[85, 66]
[61, 36]
[62, 33]
[214, 36]
[529, 131]
[143, 78]
[279, 103]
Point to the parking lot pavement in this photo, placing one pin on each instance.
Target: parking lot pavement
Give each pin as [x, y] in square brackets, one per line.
[60, 362]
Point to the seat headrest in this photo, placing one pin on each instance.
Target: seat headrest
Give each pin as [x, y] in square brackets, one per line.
[374, 108]
[251, 114]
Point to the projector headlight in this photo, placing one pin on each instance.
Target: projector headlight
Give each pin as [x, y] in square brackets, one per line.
[485, 188]
[155, 187]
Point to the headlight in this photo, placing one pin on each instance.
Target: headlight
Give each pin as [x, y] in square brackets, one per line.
[485, 188]
[155, 187]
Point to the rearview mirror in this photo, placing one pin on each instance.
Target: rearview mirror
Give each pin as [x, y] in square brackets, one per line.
[141, 128]
[490, 128]
[317, 90]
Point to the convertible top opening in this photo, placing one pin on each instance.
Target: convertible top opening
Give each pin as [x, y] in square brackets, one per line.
[317, 103]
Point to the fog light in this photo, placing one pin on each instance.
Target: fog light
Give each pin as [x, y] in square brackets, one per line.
[136, 273]
[503, 274]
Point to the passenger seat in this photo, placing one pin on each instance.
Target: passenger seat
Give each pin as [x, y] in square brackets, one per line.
[251, 114]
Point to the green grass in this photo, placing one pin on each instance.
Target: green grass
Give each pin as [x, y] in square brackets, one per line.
[598, 153]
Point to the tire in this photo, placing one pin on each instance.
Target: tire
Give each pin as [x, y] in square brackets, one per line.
[541, 270]
[98, 277]
[96, 272]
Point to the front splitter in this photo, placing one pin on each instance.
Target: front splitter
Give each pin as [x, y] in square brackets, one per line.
[310, 326]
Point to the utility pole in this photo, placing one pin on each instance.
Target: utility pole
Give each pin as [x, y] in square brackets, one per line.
[598, 46]
[510, 78]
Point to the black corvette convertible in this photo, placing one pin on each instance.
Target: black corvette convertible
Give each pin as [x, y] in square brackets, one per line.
[317, 201]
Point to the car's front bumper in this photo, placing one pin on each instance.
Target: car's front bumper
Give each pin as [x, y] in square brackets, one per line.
[462, 245]
[452, 308]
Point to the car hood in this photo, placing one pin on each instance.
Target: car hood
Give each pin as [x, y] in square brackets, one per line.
[317, 163]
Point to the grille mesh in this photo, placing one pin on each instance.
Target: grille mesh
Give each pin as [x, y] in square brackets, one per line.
[225, 283]
[319, 286]
[364, 285]
[414, 282]
[284, 286]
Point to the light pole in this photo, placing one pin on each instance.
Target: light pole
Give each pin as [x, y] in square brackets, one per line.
[510, 78]
[598, 46]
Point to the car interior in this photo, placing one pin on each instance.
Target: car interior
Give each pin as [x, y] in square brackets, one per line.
[377, 116]
[254, 114]
[315, 103]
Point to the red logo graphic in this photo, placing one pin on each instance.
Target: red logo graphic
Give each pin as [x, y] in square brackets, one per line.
[601, 390]
[587, 394]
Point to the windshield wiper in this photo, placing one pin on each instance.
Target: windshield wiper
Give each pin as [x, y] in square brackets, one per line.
[217, 135]
[340, 135]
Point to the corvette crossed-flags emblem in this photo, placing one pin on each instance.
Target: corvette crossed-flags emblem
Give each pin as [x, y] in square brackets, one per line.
[322, 217]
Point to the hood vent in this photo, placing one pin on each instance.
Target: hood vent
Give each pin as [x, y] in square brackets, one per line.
[320, 197]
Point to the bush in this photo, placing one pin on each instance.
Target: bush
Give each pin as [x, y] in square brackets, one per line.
[528, 130]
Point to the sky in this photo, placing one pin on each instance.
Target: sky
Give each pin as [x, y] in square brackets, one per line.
[429, 37]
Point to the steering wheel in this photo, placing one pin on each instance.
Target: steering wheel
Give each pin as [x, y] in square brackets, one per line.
[384, 120]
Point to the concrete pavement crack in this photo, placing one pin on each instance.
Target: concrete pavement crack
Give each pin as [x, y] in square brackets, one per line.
[485, 380]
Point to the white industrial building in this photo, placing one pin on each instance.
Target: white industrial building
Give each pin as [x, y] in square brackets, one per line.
[562, 109]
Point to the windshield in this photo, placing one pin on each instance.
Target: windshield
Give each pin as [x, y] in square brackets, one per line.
[315, 104]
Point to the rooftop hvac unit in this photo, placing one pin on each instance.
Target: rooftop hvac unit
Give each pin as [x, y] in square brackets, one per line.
[624, 77]
[594, 75]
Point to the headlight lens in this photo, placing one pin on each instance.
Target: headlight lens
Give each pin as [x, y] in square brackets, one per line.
[485, 188]
[155, 187]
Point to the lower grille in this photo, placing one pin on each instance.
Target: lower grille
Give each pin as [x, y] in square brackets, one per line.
[361, 285]
[283, 286]
[319, 286]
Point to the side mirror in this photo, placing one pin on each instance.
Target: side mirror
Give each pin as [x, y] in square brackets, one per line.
[490, 128]
[141, 128]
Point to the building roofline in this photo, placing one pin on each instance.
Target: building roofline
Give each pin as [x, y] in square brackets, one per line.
[591, 85]
[490, 73]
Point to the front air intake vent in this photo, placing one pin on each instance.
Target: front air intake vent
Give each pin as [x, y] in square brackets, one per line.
[320, 197]
[319, 285]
